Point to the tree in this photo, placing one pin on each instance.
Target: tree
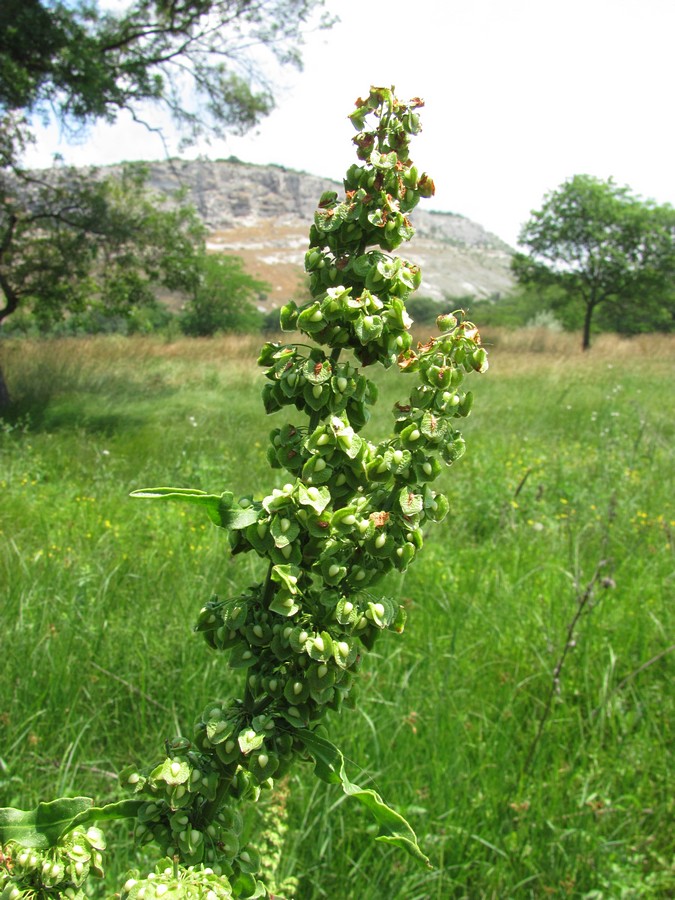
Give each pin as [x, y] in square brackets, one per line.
[223, 298]
[602, 245]
[65, 242]
[199, 59]
[68, 242]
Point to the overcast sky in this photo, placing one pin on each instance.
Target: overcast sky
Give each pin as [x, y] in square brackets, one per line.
[520, 95]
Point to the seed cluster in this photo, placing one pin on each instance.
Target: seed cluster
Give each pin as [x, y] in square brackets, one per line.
[350, 512]
[59, 871]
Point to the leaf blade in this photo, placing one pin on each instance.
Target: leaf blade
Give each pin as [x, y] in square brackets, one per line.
[330, 767]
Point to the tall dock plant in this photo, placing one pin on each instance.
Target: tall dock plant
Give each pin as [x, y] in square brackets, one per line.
[346, 514]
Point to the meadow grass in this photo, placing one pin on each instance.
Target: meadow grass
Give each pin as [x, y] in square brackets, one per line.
[562, 505]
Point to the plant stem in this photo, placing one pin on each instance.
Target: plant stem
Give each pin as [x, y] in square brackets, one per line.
[583, 601]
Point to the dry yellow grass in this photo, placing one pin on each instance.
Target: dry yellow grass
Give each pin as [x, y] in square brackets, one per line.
[65, 360]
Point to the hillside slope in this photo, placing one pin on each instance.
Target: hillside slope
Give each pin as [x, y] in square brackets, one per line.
[263, 214]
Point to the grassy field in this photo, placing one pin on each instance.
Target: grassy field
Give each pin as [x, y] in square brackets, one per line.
[518, 784]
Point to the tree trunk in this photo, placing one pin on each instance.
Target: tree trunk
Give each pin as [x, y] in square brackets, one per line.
[586, 340]
[4, 394]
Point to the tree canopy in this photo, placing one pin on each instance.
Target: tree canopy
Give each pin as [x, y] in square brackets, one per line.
[67, 241]
[202, 60]
[601, 245]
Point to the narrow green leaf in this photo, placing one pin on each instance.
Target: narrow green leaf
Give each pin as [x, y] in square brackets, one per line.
[219, 507]
[330, 767]
[211, 502]
[122, 809]
[41, 828]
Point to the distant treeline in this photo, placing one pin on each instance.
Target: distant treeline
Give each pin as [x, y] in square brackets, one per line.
[239, 314]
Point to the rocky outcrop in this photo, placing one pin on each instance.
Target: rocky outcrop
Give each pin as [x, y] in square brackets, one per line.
[263, 214]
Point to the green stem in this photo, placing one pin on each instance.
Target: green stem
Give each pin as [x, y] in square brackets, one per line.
[211, 808]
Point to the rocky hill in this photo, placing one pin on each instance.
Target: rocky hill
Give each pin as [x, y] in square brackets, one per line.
[263, 214]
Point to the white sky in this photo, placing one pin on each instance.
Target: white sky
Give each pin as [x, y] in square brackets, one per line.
[520, 95]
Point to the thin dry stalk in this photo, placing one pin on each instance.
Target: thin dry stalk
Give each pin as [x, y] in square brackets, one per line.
[584, 604]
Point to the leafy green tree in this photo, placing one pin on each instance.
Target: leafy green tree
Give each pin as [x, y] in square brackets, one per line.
[68, 243]
[65, 243]
[601, 245]
[200, 60]
[224, 298]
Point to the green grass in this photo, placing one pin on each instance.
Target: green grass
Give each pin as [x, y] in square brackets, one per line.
[569, 465]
